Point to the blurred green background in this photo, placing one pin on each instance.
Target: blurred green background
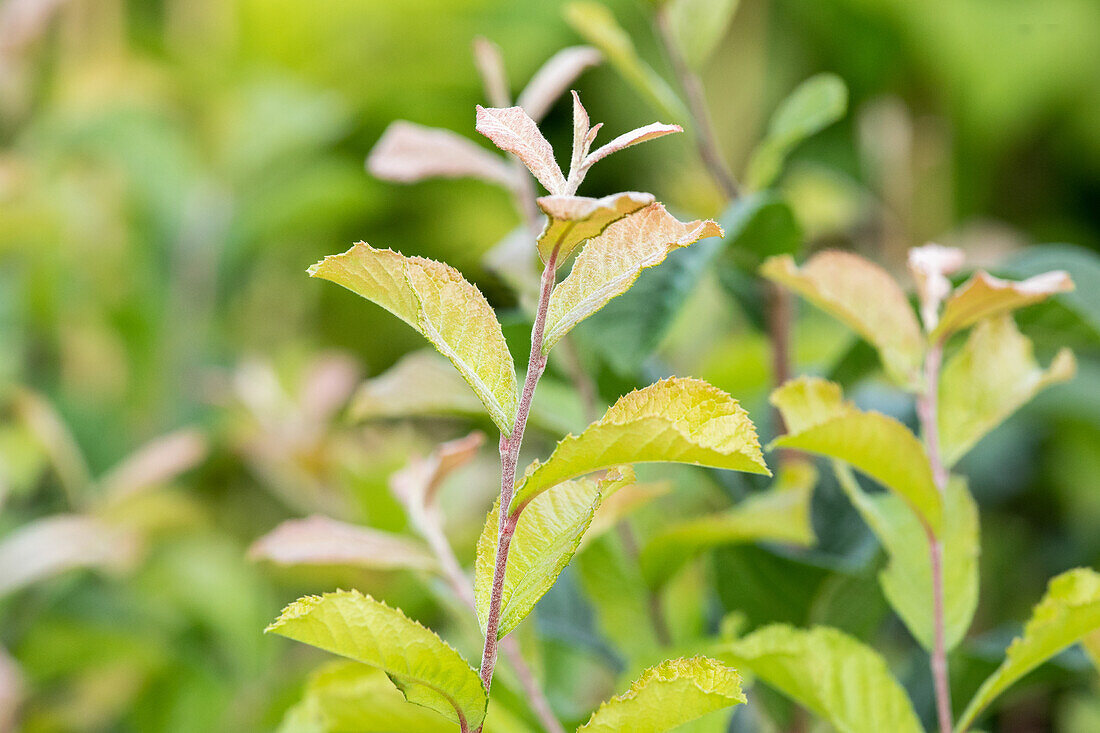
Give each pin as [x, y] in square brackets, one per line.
[169, 168]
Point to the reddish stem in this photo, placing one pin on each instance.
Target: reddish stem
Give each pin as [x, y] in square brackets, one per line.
[927, 413]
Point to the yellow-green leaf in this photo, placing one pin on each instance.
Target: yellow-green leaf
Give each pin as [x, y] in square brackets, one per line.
[780, 514]
[547, 534]
[864, 297]
[836, 677]
[984, 296]
[1068, 612]
[699, 25]
[428, 671]
[674, 692]
[675, 420]
[820, 421]
[348, 696]
[438, 302]
[611, 262]
[993, 375]
[907, 579]
[573, 219]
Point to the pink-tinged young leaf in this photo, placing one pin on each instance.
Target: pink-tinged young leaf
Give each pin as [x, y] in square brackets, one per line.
[416, 483]
[573, 219]
[12, 691]
[864, 297]
[930, 265]
[47, 547]
[512, 130]
[983, 296]
[327, 385]
[554, 77]
[651, 131]
[319, 540]
[582, 126]
[611, 262]
[438, 302]
[155, 463]
[408, 152]
[490, 65]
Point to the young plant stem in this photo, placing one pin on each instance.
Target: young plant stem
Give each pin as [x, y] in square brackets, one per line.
[927, 413]
[779, 303]
[509, 459]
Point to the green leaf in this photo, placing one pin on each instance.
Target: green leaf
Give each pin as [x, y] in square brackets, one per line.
[820, 421]
[547, 534]
[440, 304]
[610, 263]
[613, 584]
[984, 296]
[992, 376]
[348, 696]
[758, 226]
[907, 580]
[596, 24]
[780, 514]
[865, 298]
[675, 420]
[699, 25]
[424, 668]
[1068, 612]
[674, 692]
[836, 677]
[814, 105]
[573, 219]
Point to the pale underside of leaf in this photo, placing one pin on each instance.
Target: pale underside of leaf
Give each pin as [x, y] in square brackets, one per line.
[675, 420]
[512, 130]
[865, 298]
[611, 262]
[554, 77]
[428, 671]
[1068, 612]
[993, 375]
[408, 152]
[417, 482]
[420, 383]
[984, 296]
[674, 692]
[47, 547]
[930, 265]
[439, 303]
[836, 677]
[907, 579]
[820, 421]
[780, 514]
[652, 131]
[155, 463]
[546, 536]
[319, 540]
[573, 219]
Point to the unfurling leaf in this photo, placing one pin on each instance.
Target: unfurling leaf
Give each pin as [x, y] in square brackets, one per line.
[780, 514]
[820, 421]
[1068, 612]
[699, 25]
[673, 421]
[415, 484]
[674, 692]
[554, 77]
[865, 298]
[596, 24]
[993, 375]
[907, 579]
[346, 696]
[930, 265]
[573, 219]
[817, 103]
[427, 670]
[438, 302]
[408, 152]
[319, 540]
[512, 130]
[610, 263]
[490, 66]
[546, 536]
[985, 296]
[836, 677]
[651, 131]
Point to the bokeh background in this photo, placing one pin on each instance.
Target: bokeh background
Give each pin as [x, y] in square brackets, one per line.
[169, 168]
